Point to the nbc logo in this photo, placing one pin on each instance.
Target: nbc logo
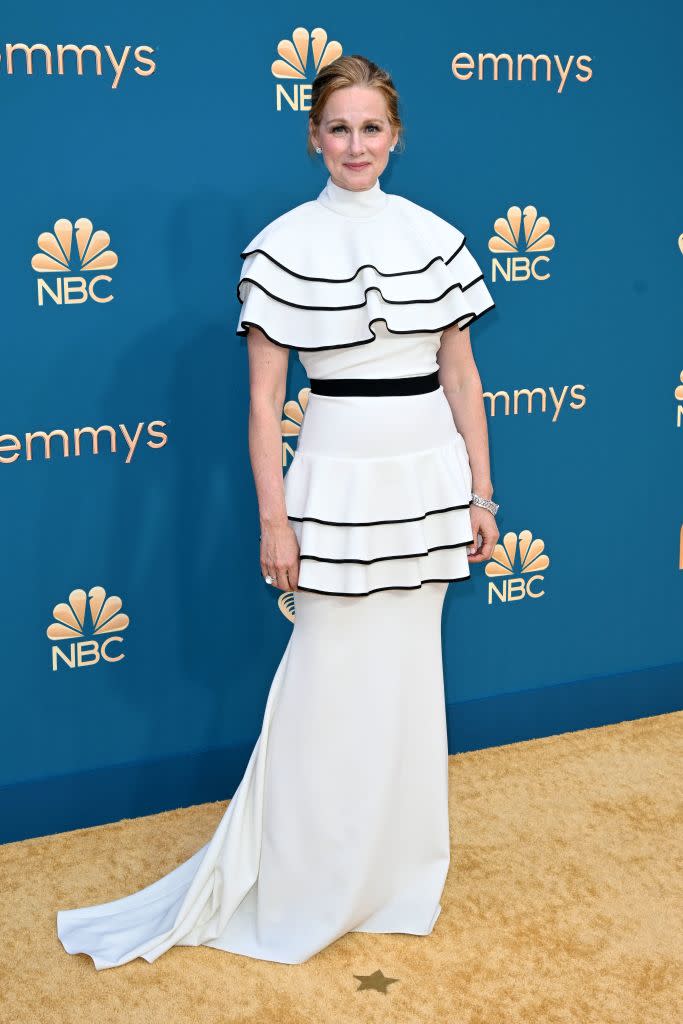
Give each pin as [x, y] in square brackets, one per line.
[514, 265]
[678, 395]
[518, 579]
[60, 256]
[69, 629]
[293, 65]
[291, 425]
[285, 603]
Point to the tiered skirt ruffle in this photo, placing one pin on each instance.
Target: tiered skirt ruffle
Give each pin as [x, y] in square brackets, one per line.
[378, 493]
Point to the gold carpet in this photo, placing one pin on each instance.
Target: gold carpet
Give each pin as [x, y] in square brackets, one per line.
[562, 904]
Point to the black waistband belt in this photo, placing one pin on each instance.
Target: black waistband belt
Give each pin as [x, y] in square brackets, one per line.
[376, 385]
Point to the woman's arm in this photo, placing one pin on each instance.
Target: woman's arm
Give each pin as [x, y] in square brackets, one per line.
[267, 382]
[459, 377]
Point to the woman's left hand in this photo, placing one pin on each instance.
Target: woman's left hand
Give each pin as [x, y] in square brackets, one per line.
[484, 523]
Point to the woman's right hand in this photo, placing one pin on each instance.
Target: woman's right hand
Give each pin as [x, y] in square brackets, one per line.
[280, 555]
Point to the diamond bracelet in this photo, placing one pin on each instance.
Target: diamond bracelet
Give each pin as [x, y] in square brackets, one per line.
[484, 503]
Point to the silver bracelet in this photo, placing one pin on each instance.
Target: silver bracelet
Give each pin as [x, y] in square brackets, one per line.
[484, 503]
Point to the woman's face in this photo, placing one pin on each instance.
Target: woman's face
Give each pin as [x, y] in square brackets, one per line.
[355, 136]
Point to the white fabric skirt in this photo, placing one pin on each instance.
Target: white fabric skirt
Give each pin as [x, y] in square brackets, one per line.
[378, 493]
[340, 821]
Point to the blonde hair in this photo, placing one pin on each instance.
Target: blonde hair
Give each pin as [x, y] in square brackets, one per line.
[353, 70]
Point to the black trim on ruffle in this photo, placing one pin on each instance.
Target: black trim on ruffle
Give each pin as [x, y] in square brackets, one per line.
[358, 305]
[364, 341]
[386, 558]
[366, 593]
[363, 266]
[380, 522]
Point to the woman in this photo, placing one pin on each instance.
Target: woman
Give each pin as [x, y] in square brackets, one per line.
[340, 822]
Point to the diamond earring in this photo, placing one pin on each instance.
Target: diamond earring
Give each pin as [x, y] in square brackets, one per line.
[318, 149]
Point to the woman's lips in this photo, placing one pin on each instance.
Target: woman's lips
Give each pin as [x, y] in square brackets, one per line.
[357, 167]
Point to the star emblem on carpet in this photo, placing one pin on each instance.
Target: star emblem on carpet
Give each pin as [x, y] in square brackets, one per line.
[376, 980]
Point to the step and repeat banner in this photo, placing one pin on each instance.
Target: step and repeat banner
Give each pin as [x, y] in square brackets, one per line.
[143, 148]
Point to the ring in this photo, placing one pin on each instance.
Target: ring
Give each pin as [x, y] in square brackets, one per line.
[269, 579]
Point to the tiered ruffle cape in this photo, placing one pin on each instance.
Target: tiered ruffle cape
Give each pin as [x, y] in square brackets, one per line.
[312, 279]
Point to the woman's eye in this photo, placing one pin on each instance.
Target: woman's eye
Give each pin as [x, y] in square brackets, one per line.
[343, 127]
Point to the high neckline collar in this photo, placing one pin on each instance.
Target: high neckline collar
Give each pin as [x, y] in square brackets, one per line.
[353, 203]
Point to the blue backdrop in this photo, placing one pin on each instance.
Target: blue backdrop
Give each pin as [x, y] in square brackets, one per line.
[157, 160]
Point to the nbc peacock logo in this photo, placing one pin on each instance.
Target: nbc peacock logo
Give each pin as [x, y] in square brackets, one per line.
[92, 615]
[305, 51]
[294, 411]
[522, 242]
[678, 396]
[67, 254]
[517, 565]
[285, 603]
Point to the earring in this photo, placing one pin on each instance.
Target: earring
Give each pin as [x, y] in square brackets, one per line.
[391, 149]
[318, 149]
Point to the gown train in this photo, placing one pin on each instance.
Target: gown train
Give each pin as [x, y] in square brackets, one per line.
[340, 821]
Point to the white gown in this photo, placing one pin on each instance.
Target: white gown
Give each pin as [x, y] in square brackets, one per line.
[340, 821]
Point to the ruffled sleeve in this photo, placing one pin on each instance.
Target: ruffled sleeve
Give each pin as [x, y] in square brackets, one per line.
[314, 280]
